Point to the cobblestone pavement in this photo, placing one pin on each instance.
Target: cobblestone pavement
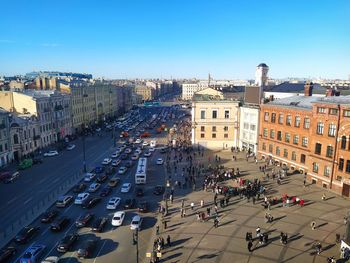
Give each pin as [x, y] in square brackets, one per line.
[194, 241]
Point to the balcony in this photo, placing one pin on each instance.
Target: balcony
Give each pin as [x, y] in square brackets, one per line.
[36, 137]
[58, 107]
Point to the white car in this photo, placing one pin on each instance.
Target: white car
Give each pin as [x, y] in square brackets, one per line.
[106, 161]
[135, 157]
[136, 223]
[94, 187]
[153, 144]
[118, 218]
[51, 259]
[70, 147]
[98, 129]
[89, 177]
[147, 154]
[115, 155]
[50, 153]
[81, 198]
[113, 202]
[160, 161]
[122, 170]
[125, 188]
[138, 141]
[145, 143]
[116, 162]
[151, 149]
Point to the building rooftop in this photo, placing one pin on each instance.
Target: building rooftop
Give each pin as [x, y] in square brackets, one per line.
[335, 99]
[263, 65]
[294, 88]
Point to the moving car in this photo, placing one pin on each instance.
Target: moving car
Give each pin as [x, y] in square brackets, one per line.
[138, 151]
[115, 163]
[151, 149]
[106, 191]
[79, 188]
[33, 254]
[122, 170]
[88, 177]
[101, 178]
[11, 178]
[129, 164]
[7, 253]
[147, 154]
[158, 190]
[160, 161]
[37, 160]
[124, 156]
[118, 218]
[99, 224]
[139, 192]
[114, 181]
[67, 243]
[81, 198]
[136, 223]
[135, 157]
[138, 141]
[84, 220]
[143, 207]
[64, 200]
[51, 259]
[59, 224]
[26, 234]
[91, 202]
[129, 203]
[125, 188]
[94, 187]
[49, 216]
[153, 144]
[70, 147]
[98, 170]
[86, 250]
[51, 153]
[106, 161]
[128, 150]
[113, 202]
[145, 143]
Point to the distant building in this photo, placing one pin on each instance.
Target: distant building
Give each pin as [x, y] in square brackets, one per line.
[189, 89]
[146, 92]
[6, 155]
[261, 78]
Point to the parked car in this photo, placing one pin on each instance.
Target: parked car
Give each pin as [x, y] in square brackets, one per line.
[147, 154]
[51, 259]
[122, 170]
[124, 156]
[135, 157]
[49, 216]
[51, 153]
[37, 160]
[113, 202]
[67, 242]
[115, 155]
[129, 203]
[26, 234]
[106, 161]
[158, 190]
[125, 188]
[129, 164]
[88, 177]
[81, 198]
[99, 224]
[11, 178]
[32, 254]
[98, 170]
[118, 218]
[79, 188]
[160, 161]
[151, 149]
[64, 200]
[110, 171]
[143, 206]
[139, 191]
[106, 191]
[7, 253]
[91, 202]
[136, 223]
[114, 181]
[84, 220]
[70, 147]
[59, 224]
[94, 187]
[26, 163]
[115, 163]
[87, 248]
[128, 150]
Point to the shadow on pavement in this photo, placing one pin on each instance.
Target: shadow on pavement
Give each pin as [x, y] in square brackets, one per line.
[180, 241]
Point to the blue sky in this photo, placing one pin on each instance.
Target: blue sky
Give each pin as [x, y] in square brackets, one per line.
[178, 38]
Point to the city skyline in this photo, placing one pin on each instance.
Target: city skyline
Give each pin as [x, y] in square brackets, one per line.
[179, 40]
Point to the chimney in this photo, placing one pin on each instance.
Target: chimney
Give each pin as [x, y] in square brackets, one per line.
[271, 98]
[308, 89]
[332, 92]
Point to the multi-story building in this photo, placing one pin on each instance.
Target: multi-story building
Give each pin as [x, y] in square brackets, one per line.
[147, 92]
[6, 155]
[249, 127]
[215, 120]
[189, 89]
[309, 134]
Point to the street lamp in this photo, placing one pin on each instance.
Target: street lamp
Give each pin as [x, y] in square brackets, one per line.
[135, 240]
[84, 153]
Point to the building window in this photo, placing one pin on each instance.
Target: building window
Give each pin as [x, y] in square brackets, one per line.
[315, 167]
[227, 114]
[318, 148]
[265, 132]
[263, 147]
[214, 114]
[270, 148]
[272, 134]
[306, 123]
[304, 141]
[266, 116]
[279, 135]
[347, 169]
[302, 158]
[273, 117]
[297, 121]
[339, 178]
[343, 143]
[321, 110]
[285, 153]
[346, 113]
[278, 151]
[341, 164]
[202, 135]
[252, 127]
[320, 127]
[225, 135]
[333, 111]
[289, 120]
[213, 135]
[280, 119]
[329, 152]
[331, 130]
[296, 139]
[225, 128]
[202, 128]
[294, 156]
[202, 114]
[246, 125]
[213, 129]
[327, 171]
[287, 137]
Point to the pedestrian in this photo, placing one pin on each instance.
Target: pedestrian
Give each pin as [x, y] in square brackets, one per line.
[192, 205]
[324, 197]
[258, 230]
[216, 209]
[313, 225]
[202, 203]
[304, 182]
[184, 212]
[318, 247]
[168, 241]
[157, 229]
[250, 246]
[216, 222]
[208, 211]
[165, 224]
[182, 203]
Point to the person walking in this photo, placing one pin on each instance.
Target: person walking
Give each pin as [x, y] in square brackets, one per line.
[216, 222]
[202, 203]
[250, 246]
[168, 241]
[192, 206]
[157, 229]
[324, 197]
[258, 231]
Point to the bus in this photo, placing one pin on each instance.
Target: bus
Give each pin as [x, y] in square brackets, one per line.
[141, 171]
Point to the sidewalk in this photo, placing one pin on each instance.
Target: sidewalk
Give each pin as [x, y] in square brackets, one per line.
[194, 241]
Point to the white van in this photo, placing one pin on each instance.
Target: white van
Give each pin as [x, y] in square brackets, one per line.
[153, 144]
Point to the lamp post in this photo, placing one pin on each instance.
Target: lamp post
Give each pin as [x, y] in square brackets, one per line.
[135, 240]
[84, 153]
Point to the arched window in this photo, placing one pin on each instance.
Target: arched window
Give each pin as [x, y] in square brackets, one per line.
[15, 139]
[343, 142]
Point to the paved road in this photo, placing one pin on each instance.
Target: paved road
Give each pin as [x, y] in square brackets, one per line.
[56, 172]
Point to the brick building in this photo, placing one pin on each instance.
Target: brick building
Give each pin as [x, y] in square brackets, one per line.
[311, 135]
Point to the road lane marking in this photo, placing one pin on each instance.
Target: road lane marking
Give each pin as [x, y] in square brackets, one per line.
[56, 180]
[28, 200]
[71, 257]
[51, 250]
[72, 225]
[12, 200]
[66, 210]
[43, 233]
[104, 242]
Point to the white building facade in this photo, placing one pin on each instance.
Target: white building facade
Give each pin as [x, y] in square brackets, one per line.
[249, 127]
[188, 89]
